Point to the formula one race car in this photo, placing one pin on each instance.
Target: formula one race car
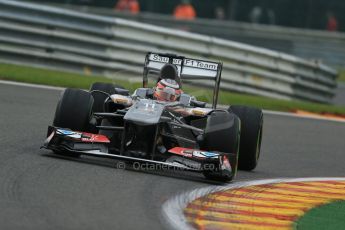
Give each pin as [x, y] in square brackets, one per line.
[160, 126]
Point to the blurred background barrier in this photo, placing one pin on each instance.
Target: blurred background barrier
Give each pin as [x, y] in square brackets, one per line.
[322, 46]
[319, 45]
[51, 37]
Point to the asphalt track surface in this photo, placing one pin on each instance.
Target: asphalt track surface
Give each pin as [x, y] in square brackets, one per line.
[41, 191]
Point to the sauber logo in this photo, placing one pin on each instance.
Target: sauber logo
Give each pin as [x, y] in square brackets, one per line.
[187, 62]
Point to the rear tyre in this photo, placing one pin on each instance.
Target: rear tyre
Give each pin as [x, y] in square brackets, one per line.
[222, 134]
[99, 97]
[251, 135]
[73, 111]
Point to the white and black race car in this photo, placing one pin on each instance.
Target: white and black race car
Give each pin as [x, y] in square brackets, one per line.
[184, 134]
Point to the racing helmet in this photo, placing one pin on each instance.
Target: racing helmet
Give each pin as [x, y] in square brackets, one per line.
[167, 90]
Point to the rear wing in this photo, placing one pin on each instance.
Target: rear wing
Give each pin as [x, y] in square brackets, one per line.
[188, 69]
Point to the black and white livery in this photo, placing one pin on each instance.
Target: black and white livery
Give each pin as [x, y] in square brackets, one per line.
[160, 126]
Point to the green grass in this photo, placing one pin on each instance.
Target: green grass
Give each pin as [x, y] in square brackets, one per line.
[51, 77]
[330, 216]
[341, 75]
[279, 105]
[63, 79]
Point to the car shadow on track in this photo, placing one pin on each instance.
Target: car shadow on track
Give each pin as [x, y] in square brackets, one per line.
[176, 174]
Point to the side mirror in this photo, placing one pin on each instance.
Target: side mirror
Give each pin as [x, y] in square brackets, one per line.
[144, 93]
[141, 92]
[199, 104]
[124, 92]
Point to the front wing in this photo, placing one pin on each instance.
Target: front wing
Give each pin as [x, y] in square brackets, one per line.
[178, 158]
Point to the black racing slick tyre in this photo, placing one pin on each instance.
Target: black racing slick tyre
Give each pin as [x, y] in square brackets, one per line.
[222, 134]
[96, 89]
[251, 135]
[73, 111]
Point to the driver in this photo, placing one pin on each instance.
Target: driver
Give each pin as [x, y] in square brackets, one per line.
[167, 90]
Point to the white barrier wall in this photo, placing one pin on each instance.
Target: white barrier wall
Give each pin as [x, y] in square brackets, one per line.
[67, 40]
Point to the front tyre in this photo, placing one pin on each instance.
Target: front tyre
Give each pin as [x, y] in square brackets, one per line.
[251, 135]
[73, 111]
